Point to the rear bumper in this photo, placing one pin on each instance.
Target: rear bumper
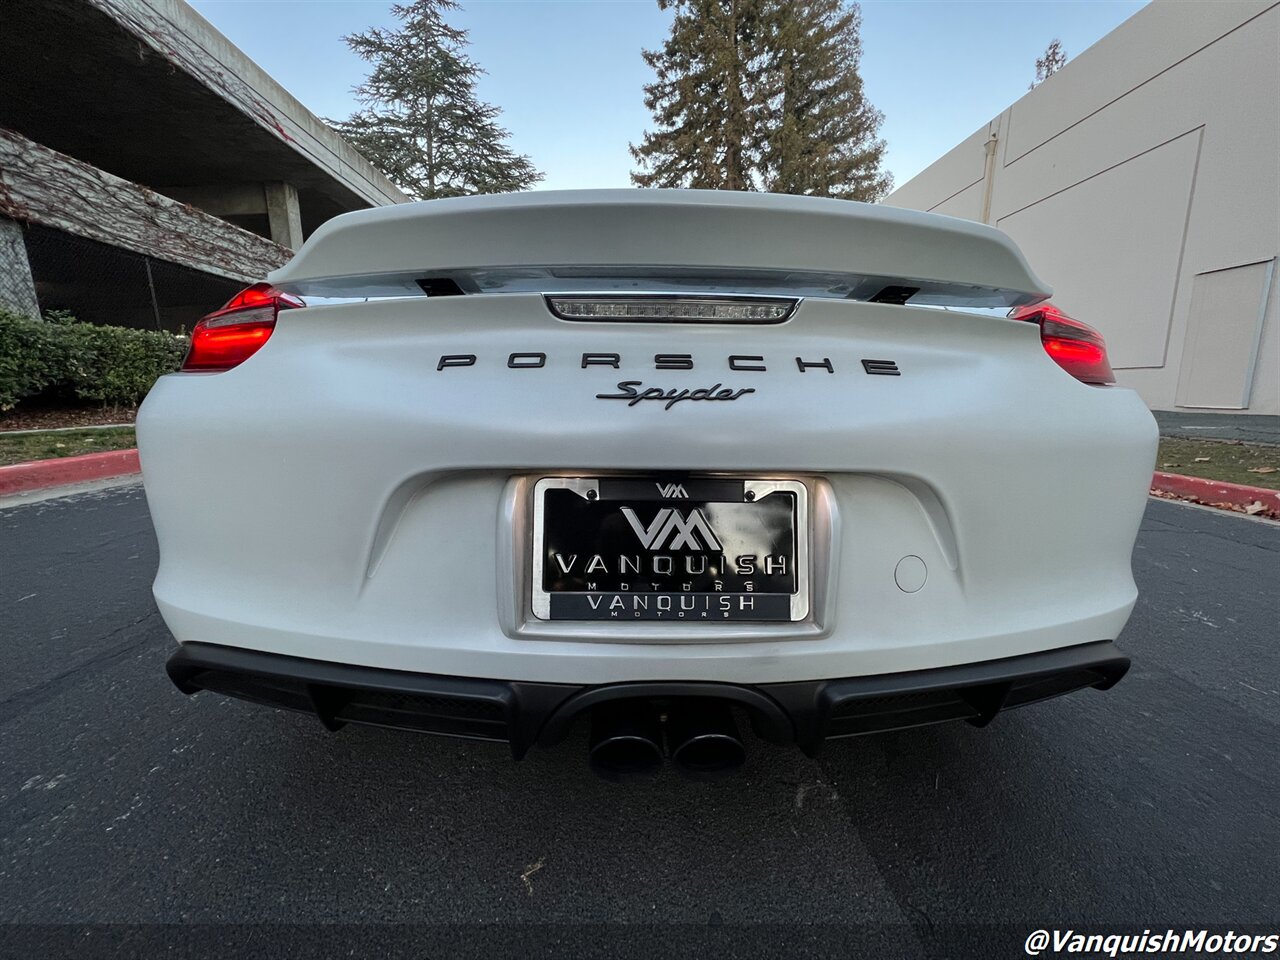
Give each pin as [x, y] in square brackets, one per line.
[523, 713]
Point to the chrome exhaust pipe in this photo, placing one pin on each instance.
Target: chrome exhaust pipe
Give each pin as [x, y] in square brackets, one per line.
[704, 738]
[626, 739]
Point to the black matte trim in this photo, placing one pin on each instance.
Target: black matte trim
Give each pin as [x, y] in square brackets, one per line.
[441, 287]
[522, 713]
[342, 693]
[894, 294]
[973, 691]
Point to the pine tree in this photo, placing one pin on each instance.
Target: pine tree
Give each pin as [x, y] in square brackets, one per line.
[704, 99]
[762, 94]
[820, 135]
[1054, 59]
[421, 122]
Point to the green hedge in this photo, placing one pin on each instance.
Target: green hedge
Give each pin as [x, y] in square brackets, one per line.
[59, 357]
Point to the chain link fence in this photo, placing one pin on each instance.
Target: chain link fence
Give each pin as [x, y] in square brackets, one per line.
[99, 283]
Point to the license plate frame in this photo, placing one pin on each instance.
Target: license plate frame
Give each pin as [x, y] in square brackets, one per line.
[747, 511]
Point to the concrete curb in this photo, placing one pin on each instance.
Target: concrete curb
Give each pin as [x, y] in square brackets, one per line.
[1217, 493]
[91, 426]
[39, 474]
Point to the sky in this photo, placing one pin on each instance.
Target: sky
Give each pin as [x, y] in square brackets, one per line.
[567, 74]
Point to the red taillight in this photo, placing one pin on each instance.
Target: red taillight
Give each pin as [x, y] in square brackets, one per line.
[1074, 346]
[232, 335]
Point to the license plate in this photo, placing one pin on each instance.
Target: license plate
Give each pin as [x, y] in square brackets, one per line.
[704, 550]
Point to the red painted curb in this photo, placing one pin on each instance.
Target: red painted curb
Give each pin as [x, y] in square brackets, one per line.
[52, 473]
[1217, 492]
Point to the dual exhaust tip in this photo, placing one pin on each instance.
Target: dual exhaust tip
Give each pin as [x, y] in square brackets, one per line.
[700, 736]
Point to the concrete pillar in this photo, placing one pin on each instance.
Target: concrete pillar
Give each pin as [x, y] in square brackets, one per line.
[17, 289]
[284, 214]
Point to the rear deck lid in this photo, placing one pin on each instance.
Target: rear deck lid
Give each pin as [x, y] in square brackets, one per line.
[662, 241]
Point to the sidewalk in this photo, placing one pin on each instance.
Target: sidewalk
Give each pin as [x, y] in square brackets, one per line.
[1218, 426]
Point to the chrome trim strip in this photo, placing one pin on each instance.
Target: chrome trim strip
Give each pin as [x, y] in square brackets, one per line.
[582, 486]
[762, 488]
[539, 601]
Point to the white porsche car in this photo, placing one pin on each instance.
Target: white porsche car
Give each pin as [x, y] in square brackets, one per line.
[659, 460]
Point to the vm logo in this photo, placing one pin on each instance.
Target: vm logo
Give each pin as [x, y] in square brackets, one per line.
[672, 491]
[672, 530]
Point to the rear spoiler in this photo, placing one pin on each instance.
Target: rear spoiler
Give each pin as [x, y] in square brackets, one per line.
[662, 240]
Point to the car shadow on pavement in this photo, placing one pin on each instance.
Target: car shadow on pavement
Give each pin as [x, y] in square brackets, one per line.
[786, 839]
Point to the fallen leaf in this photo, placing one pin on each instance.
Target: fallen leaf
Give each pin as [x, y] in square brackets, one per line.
[1202, 459]
[1254, 508]
[1262, 469]
[529, 871]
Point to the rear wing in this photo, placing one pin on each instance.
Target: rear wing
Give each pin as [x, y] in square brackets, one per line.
[662, 241]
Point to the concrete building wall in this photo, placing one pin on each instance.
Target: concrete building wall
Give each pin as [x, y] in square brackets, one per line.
[1143, 183]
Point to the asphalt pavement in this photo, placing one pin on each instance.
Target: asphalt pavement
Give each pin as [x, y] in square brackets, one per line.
[124, 802]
